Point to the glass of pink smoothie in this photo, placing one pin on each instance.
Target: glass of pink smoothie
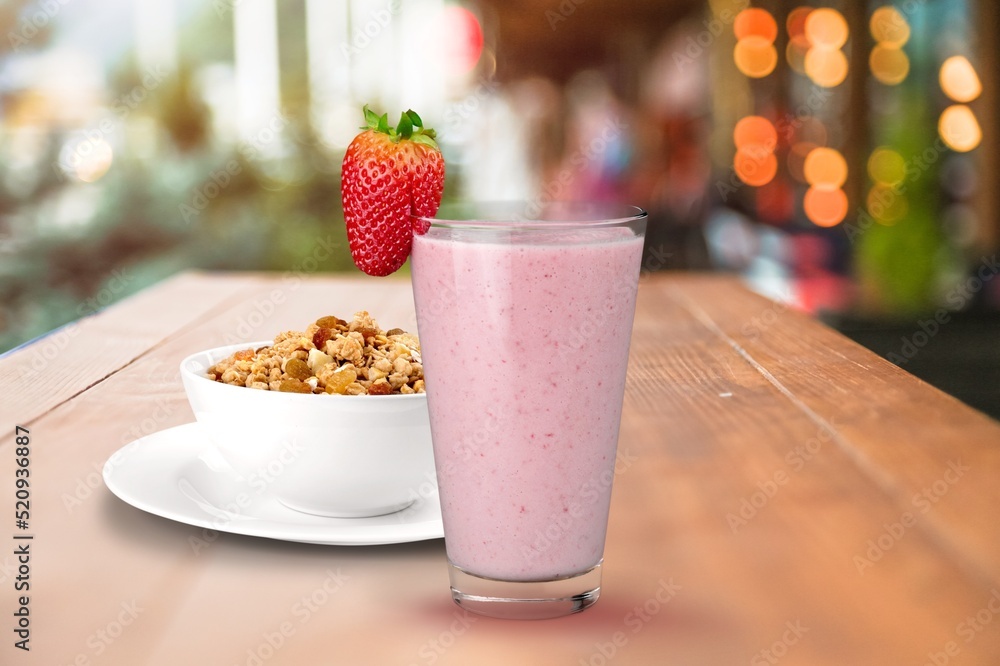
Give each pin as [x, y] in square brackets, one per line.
[524, 313]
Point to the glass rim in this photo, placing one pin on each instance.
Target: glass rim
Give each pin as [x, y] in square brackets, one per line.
[533, 215]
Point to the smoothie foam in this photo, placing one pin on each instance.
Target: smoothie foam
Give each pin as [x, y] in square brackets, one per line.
[522, 345]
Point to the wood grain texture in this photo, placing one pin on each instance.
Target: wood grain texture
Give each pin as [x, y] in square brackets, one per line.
[70, 359]
[733, 405]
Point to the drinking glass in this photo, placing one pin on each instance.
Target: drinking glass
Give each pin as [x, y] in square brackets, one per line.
[524, 313]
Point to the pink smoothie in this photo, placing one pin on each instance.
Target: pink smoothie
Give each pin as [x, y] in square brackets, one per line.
[525, 348]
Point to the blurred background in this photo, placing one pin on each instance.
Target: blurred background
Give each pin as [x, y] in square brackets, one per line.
[840, 156]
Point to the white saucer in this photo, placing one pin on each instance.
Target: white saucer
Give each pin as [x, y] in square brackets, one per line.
[177, 474]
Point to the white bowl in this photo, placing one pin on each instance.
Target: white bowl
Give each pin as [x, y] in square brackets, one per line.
[331, 455]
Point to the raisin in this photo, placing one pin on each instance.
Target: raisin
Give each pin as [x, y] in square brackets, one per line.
[330, 322]
[394, 331]
[381, 387]
[368, 332]
[321, 336]
[294, 386]
[244, 355]
[297, 369]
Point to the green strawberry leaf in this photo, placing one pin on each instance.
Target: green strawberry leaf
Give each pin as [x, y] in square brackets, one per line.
[371, 118]
[414, 118]
[425, 139]
[405, 127]
[383, 123]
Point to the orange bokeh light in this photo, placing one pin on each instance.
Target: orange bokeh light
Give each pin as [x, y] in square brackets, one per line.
[755, 22]
[889, 27]
[960, 129]
[797, 155]
[826, 168]
[889, 64]
[825, 207]
[826, 27]
[755, 56]
[755, 131]
[827, 67]
[755, 166]
[796, 22]
[959, 79]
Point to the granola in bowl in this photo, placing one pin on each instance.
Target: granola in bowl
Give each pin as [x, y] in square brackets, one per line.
[331, 356]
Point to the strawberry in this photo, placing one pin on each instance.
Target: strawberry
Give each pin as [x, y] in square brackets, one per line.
[388, 176]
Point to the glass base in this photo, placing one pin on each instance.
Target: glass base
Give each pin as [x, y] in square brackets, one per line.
[525, 600]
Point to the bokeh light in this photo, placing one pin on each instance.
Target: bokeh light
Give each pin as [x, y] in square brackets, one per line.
[464, 38]
[827, 67]
[811, 129]
[825, 207]
[886, 205]
[826, 27]
[755, 166]
[755, 131]
[887, 167]
[755, 57]
[796, 22]
[795, 53]
[889, 64]
[959, 128]
[959, 79]
[825, 167]
[797, 155]
[87, 160]
[755, 22]
[889, 27]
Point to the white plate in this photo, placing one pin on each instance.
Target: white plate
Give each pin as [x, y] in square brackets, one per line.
[177, 474]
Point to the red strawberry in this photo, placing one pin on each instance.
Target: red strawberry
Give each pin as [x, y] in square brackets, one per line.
[388, 176]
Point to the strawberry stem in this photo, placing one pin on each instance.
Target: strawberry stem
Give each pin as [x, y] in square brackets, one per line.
[410, 127]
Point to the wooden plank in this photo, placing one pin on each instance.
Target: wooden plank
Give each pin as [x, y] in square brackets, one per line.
[67, 361]
[707, 424]
[934, 455]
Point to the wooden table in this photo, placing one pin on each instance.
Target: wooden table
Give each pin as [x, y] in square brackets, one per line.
[790, 497]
